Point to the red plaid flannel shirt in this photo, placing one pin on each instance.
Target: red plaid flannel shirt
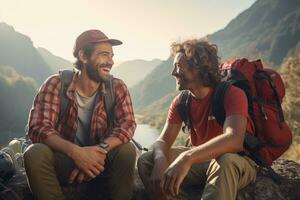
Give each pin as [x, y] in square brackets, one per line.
[46, 106]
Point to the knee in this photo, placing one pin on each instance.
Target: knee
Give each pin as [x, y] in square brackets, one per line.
[225, 163]
[144, 159]
[126, 154]
[37, 153]
[145, 162]
[226, 160]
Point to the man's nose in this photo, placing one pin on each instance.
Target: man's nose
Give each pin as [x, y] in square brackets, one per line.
[111, 61]
[174, 71]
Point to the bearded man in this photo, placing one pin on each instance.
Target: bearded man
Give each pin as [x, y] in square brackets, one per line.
[79, 147]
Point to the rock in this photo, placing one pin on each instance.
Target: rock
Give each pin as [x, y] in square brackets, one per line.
[264, 188]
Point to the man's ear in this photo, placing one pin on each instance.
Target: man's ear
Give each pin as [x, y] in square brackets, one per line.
[82, 57]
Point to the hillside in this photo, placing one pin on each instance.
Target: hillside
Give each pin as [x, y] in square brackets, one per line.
[17, 51]
[16, 97]
[22, 70]
[269, 29]
[134, 71]
[156, 85]
[55, 62]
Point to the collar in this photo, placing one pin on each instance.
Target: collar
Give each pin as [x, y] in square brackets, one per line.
[72, 87]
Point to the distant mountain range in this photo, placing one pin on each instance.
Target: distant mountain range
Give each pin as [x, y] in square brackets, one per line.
[17, 51]
[134, 71]
[16, 97]
[23, 68]
[269, 29]
[156, 85]
[55, 62]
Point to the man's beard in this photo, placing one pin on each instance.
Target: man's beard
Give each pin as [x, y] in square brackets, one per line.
[93, 72]
[181, 85]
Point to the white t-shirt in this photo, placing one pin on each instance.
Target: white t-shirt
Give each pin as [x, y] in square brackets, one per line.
[85, 111]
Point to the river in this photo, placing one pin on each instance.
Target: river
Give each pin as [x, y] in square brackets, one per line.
[145, 135]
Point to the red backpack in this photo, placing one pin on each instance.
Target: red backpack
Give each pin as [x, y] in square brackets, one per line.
[265, 90]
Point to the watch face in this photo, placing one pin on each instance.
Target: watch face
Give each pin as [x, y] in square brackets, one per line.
[103, 145]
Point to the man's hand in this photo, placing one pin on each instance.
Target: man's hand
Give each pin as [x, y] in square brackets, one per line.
[159, 168]
[90, 160]
[161, 150]
[78, 175]
[175, 174]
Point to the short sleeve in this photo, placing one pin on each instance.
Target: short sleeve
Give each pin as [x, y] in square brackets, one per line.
[173, 114]
[236, 102]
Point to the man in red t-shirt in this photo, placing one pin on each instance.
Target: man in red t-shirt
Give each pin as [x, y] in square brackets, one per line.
[212, 161]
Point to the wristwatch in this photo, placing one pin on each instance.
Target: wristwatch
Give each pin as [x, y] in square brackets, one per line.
[103, 145]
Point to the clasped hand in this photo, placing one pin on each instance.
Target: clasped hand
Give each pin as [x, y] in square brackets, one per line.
[89, 161]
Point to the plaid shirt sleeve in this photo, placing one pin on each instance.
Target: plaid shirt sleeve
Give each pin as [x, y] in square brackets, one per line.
[45, 109]
[125, 121]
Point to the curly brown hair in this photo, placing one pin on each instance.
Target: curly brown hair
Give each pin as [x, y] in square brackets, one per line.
[203, 56]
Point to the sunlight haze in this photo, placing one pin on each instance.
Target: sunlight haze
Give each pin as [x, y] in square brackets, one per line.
[147, 28]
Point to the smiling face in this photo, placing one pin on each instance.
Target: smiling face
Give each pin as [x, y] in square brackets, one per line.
[185, 75]
[99, 64]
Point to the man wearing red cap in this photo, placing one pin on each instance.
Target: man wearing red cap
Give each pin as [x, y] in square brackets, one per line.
[67, 151]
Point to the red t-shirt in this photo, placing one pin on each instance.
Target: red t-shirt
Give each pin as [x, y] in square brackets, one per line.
[204, 123]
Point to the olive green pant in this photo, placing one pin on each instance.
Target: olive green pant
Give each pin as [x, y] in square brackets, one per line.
[221, 178]
[47, 171]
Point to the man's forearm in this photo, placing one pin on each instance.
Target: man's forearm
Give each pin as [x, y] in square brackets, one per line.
[161, 150]
[61, 145]
[229, 142]
[225, 143]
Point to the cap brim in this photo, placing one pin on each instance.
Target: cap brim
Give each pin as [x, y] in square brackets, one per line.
[113, 42]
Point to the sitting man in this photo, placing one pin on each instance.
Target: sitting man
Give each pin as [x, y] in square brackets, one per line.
[212, 162]
[80, 147]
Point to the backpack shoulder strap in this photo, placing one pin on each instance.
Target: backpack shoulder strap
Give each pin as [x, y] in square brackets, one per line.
[66, 78]
[218, 109]
[110, 93]
[183, 110]
[109, 101]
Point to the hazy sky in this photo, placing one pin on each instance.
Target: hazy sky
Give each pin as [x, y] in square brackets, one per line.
[146, 27]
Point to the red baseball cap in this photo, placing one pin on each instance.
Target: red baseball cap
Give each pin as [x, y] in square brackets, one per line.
[92, 36]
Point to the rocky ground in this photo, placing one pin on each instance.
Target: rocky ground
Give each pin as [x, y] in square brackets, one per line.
[264, 188]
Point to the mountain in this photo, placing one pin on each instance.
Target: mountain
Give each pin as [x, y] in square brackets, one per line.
[17, 51]
[155, 86]
[269, 29]
[134, 71]
[16, 97]
[22, 69]
[155, 113]
[55, 62]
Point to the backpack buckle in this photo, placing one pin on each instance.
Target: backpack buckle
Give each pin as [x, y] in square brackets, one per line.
[186, 129]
